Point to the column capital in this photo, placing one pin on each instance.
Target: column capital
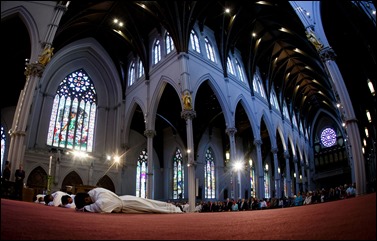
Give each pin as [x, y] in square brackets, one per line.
[188, 114]
[149, 133]
[286, 154]
[327, 53]
[274, 150]
[258, 142]
[34, 69]
[295, 159]
[231, 131]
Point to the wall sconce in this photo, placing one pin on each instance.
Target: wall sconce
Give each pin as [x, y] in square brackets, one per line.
[279, 170]
[266, 167]
[294, 175]
[371, 88]
[227, 155]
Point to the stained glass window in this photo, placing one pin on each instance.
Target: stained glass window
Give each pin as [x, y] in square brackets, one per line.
[209, 175]
[328, 137]
[240, 72]
[141, 174]
[157, 52]
[73, 113]
[169, 43]
[210, 51]
[3, 141]
[178, 175]
[131, 74]
[140, 69]
[194, 41]
[230, 66]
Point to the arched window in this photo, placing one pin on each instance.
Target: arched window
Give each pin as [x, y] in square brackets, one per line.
[274, 100]
[240, 72]
[266, 182]
[140, 69]
[141, 174]
[73, 113]
[178, 175]
[169, 43]
[230, 66]
[131, 74]
[209, 175]
[156, 52]
[294, 120]
[252, 179]
[194, 41]
[210, 51]
[285, 111]
[3, 141]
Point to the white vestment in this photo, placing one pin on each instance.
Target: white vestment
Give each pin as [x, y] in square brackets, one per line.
[105, 201]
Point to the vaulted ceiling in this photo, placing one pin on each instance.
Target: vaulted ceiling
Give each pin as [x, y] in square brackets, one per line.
[280, 50]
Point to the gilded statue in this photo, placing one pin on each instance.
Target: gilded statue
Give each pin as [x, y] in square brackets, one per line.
[313, 39]
[187, 100]
[46, 55]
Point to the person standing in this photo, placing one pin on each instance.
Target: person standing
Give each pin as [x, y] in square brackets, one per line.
[5, 180]
[19, 183]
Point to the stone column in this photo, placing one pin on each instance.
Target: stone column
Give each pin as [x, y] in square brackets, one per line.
[288, 175]
[188, 115]
[260, 173]
[297, 181]
[276, 172]
[303, 176]
[150, 134]
[347, 112]
[234, 191]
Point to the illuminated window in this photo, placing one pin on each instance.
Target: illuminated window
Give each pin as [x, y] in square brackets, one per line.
[73, 113]
[194, 41]
[328, 137]
[178, 175]
[240, 72]
[209, 175]
[210, 51]
[230, 66]
[141, 174]
[3, 141]
[156, 52]
[140, 69]
[131, 74]
[169, 43]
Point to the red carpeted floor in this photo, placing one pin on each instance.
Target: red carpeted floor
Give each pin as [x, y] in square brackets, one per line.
[349, 219]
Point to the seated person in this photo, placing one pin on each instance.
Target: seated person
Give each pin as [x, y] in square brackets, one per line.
[101, 200]
[68, 201]
[54, 199]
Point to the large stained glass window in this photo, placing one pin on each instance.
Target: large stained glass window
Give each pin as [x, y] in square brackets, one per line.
[73, 113]
[3, 141]
[178, 175]
[141, 174]
[328, 137]
[209, 175]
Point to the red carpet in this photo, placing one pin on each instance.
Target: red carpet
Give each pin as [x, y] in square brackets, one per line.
[350, 219]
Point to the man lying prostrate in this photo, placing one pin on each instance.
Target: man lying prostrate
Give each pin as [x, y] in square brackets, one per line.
[101, 200]
[68, 201]
[40, 199]
[54, 199]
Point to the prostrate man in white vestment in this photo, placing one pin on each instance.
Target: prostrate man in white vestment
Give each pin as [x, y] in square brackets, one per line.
[101, 200]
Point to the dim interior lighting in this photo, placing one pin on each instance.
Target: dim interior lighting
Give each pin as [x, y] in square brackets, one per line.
[300, 176]
[343, 124]
[366, 132]
[363, 150]
[227, 10]
[294, 175]
[266, 167]
[227, 155]
[188, 151]
[371, 88]
[337, 105]
[365, 142]
[278, 169]
[250, 162]
[368, 116]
